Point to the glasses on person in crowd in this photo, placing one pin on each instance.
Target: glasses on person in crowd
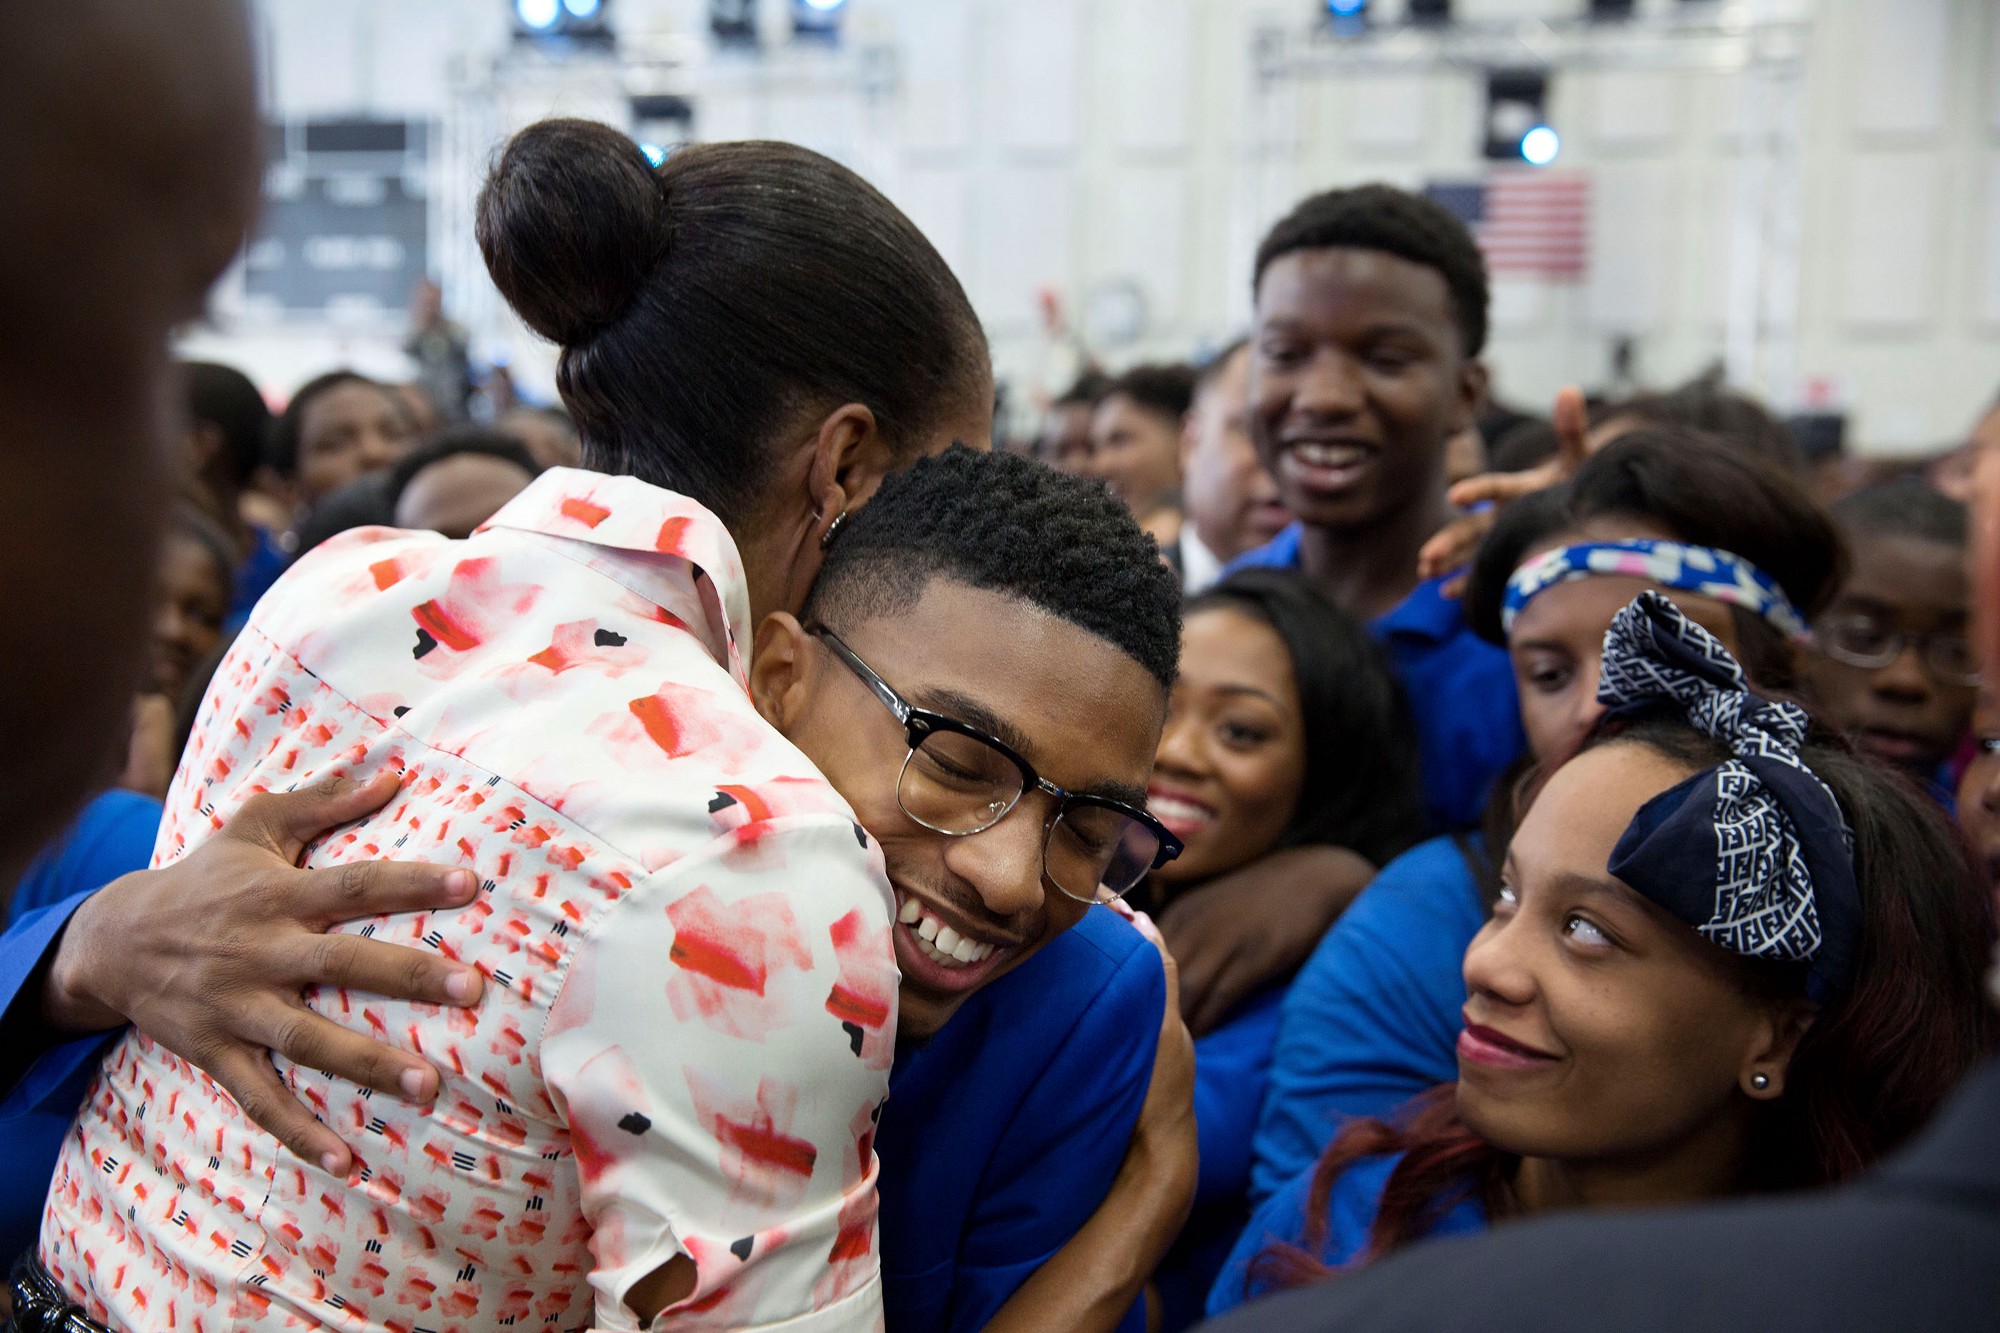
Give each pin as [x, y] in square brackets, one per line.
[1863, 640]
[959, 780]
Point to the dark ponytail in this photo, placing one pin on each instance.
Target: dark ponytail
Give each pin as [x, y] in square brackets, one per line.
[705, 305]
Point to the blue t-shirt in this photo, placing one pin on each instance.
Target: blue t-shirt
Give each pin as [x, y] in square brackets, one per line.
[1373, 1017]
[111, 836]
[1003, 1133]
[1231, 1065]
[1351, 1209]
[1461, 689]
[254, 577]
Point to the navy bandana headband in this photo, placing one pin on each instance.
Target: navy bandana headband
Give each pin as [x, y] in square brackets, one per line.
[1754, 853]
[1706, 570]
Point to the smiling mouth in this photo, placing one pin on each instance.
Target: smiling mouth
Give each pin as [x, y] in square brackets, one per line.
[1179, 813]
[938, 942]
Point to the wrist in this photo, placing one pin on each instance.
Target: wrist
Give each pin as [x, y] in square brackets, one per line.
[70, 1002]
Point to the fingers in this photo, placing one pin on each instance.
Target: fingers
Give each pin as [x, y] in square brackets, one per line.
[1571, 419]
[247, 1076]
[287, 821]
[1452, 546]
[313, 1042]
[378, 888]
[389, 970]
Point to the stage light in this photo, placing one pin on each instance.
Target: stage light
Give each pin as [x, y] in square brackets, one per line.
[654, 153]
[541, 15]
[824, 6]
[817, 20]
[1516, 107]
[1346, 9]
[1539, 146]
[562, 27]
[583, 9]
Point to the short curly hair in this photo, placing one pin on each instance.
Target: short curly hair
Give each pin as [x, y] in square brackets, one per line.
[1009, 525]
[1396, 222]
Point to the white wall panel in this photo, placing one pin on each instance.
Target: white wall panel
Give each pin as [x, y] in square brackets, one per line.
[1146, 64]
[1022, 232]
[1630, 217]
[1387, 113]
[1901, 68]
[938, 72]
[1138, 232]
[1887, 265]
[1034, 73]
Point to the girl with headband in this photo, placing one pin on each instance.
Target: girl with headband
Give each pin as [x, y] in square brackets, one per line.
[1727, 957]
[1739, 547]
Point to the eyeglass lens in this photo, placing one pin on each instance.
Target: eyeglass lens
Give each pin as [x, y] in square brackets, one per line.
[958, 784]
[1865, 641]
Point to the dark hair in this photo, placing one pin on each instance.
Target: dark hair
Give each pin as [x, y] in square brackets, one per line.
[1361, 788]
[361, 503]
[1165, 387]
[1209, 370]
[1902, 508]
[1874, 1066]
[1007, 524]
[1086, 390]
[224, 397]
[704, 304]
[481, 440]
[190, 522]
[283, 455]
[1396, 222]
[1706, 404]
[1522, 445]
[1701, 491]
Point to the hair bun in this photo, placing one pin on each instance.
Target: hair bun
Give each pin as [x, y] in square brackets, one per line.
[571, 220]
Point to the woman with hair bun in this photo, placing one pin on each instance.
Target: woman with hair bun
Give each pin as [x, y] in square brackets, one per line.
[665, 1099]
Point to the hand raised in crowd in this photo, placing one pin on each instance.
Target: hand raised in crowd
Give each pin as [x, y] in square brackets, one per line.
[1256, 925]
[209, 955]
[1090, 1283]
[1453, 545]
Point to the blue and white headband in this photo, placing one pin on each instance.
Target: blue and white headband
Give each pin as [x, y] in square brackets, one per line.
[1754, 853]
[1698, 569]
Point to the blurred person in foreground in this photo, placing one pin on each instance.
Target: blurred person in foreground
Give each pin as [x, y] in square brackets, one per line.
[1231, 502]
[459, 480]
[126, 198]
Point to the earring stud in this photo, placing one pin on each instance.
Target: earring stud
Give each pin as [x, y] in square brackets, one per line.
[1760, 1081]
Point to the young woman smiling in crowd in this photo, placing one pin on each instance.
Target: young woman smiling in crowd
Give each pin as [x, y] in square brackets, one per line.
[1725, 957]
[1286, 728]
[1372, 1018]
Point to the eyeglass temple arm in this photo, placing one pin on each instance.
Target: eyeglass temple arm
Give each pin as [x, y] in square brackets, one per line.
[876, 685]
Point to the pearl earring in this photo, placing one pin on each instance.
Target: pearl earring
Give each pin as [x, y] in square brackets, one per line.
[1760, 1081]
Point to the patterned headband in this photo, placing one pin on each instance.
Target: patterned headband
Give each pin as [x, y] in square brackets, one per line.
[1699, 569]
[1754, 853]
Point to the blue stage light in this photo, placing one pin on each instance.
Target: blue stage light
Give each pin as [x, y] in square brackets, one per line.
[1346, 9]
[1539, 146]
[825, 6]
[583, 9]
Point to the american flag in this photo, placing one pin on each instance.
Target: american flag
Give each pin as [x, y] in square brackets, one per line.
[1530, 222]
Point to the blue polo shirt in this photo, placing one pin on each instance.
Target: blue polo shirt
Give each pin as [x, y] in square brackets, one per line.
[1351, 1209]
[109, 837]
[1373, 1017]
[1000, 1138]
[1002, 1134]
[1461, 689]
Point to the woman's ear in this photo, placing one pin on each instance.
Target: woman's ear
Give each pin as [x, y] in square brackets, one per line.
[850, 459]
[1762, 1077]
[780, 671]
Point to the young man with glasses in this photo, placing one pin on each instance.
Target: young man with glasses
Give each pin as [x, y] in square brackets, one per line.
[1006, 638]
[1891, 664]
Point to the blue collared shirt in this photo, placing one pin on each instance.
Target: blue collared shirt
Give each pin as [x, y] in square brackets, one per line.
[1461, 689]
[1003, 1133]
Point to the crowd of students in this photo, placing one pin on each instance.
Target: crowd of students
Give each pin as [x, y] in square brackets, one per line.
[740, 851]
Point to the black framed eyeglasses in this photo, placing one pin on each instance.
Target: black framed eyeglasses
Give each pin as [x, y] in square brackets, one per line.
[958, 780]
[1863, 640]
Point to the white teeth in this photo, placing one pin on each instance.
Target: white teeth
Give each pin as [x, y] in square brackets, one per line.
[1168, 807]
[1330, 455]
[939, 942]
